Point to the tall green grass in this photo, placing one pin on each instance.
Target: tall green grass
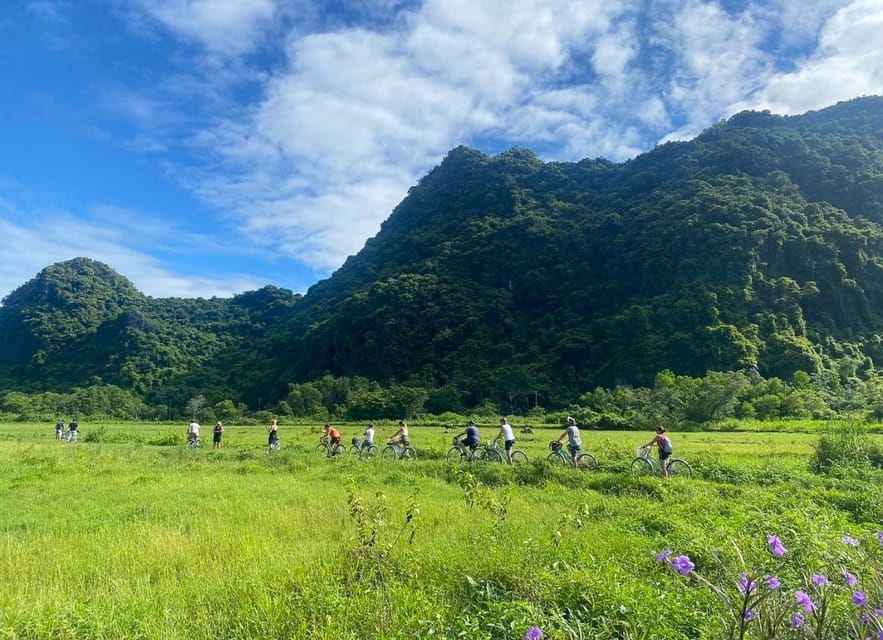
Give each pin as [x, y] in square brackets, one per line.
[122, 538]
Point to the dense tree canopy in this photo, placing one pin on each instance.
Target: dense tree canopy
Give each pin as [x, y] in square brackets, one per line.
[757, 246]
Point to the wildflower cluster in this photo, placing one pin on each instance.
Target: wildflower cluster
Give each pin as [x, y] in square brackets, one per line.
[842, 605]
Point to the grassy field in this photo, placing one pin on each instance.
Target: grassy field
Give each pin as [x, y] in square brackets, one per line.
[126, 535]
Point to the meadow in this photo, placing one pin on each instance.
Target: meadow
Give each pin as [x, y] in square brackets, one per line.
[129, 534]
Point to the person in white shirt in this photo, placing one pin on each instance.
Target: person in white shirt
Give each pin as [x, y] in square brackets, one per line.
[508, 436]
[368, 442]
[193, 431]
[574, 442]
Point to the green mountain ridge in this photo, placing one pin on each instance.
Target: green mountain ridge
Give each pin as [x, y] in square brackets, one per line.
[756, 245]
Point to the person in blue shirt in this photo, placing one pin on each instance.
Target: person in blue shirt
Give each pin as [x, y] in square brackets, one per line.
[470, 436]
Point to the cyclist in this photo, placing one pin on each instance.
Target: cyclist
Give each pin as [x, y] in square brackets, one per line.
[59, 429]
[401, 435]
[574, 442]
[663, 443]
[368, 442]
[508, 436]
[272, 435]
[192, 431]
[333, 437]
[471, 435]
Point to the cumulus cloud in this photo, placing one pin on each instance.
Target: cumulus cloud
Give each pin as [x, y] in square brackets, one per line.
[355, 110]
[229, 27]
[115, 236]
[847, 63]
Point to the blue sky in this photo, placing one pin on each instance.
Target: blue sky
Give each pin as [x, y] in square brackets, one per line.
[208, 147]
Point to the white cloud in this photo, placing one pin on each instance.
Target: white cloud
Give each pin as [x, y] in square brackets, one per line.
[112, 236]
[359, 111]
[847, 63]
[226, 27]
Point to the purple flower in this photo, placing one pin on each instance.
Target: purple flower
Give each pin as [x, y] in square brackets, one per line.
[850, 579]
[805, 601]
[859, 598]
[864, 618]
[880, 635]
[849, 541]
[819, 580]
[663, 555]
[880, 538]
[772, 583]
[683, 565]
[878, 613]
[534, 633]
[749, 615]
[746, 585]
[778, 549]
[797, 621]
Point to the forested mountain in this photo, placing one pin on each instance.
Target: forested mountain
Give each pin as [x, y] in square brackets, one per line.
[757, 245]
[79, 323]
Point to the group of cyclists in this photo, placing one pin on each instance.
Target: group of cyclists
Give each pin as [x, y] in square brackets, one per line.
[469, 438]
[70, 434]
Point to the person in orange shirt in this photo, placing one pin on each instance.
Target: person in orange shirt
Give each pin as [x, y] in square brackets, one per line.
[333, 436]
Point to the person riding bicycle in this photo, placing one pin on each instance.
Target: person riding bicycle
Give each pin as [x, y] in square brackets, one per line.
[470, 435]
[401, 435]
[333, 438]
[368, 442]
[192, 431]
[574, 442]
[272, 435]
[508, 436]
[663, 443]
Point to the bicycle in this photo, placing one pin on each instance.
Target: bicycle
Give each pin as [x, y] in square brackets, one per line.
[584, 461]
[324, 448]
[194, 442]
[273, 446]
[70, 436]
[519, 456]
[397, 451]
[357, 449]
[644, 465]
[461, 453]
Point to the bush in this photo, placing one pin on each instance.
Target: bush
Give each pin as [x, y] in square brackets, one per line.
[847, 448]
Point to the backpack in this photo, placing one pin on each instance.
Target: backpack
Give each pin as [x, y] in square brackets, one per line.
[666, 445]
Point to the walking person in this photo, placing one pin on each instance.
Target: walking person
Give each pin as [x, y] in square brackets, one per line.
[217, 432]
[272, 436]
[59, 429]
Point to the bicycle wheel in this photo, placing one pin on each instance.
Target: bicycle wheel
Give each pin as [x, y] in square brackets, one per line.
[519, 457]
[339, 451]
[370, 452]
[454, 455]
[409, 453]
[641, 467]
[321, 449]
[493, 455]
[389, 453]
[587, 462]
[556, 459]
[680, 467]
[354, 450]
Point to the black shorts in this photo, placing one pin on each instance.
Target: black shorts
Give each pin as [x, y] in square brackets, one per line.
[216, 437]
[273, 437]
